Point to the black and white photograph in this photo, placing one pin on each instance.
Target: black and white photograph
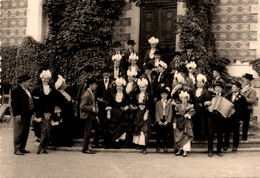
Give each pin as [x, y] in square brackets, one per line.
[129, 88]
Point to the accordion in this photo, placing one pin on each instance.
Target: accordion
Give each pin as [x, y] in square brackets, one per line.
[222, 105]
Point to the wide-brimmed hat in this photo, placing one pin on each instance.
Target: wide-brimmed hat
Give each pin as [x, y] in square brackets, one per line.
[105, 70]
[149, 65]
[248, 76]
[183, 69]
[164, 90]
[177, 53]
[132, 42]
[89, 68]
[218, 83]
[23, 78]
[238, 84]
[116, 44]
[189, 46]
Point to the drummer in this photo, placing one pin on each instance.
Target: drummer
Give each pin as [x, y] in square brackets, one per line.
[215, 121]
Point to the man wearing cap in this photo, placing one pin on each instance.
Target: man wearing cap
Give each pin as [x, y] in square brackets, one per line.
[116, 49]
[250, 94]
[188, 56]
[215, 121]
[125, 63]
[233, 123]
[23, 108]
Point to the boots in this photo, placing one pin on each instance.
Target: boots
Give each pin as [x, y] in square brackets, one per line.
[45, 150]
[39, 150]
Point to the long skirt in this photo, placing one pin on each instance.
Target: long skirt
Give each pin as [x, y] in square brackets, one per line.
[183, 137]
[115, 125]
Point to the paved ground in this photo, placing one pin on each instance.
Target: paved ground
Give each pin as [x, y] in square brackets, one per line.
[108, 164]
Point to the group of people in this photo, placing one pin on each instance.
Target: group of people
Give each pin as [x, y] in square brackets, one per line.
[133, 96]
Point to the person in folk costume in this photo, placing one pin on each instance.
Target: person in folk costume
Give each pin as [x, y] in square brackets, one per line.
[215, 121]
[89, 113]
[149, 55]
[250, 94]
[149, 67]
[117, 71]
[188, 56]
[233, 123]
[162, 79]
[181, 81]
[174, 64]
[116, 49]
[46, 109]
[116, 115]
[131, 91]
[104, 91]
[141, 119]
[65, 103]
[125, 63]
[199, 96]
[217, 78]
[191, 66]
[133, 58]
[87, 75]
[182, 125]
[163, 115]
[23, 108]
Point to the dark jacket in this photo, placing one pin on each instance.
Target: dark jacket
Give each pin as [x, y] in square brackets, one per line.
[20, 101]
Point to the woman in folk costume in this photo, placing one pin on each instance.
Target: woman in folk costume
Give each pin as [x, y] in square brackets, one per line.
[200, 95]
[131, 91]
[116, 114]
[65, 102]
[191, 66]
[182, 125]
[141, 120]
[180, 82]
[117, 70]
[150, 52]
[133, 59]
[45, 99]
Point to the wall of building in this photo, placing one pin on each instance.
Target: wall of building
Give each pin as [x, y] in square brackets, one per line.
[128, 26]
[13, 21]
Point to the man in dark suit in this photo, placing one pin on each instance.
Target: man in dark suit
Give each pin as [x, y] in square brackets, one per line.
[88, 113]
[23, 108]
[217, 78]
[215, 122]
[250, 94]
[125, 63]
[104, 91]
[233, 123]
[188, 56]
[116, 49]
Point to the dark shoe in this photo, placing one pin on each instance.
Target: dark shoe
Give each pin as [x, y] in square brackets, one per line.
[165, 149]
[39, 151]
[244, 137]
[178, 153]
[18, 153]
[45, 151]
[157, 148]
[210, 154]
[219, 154]
[234, 149]
[25, 151]
[97, 146]
[88, 151]
[184, 154]
[225, 148]
[144, 151]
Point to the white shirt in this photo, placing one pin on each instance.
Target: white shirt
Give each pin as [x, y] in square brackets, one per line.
[164, 106]
[106, 81]
[151, 54]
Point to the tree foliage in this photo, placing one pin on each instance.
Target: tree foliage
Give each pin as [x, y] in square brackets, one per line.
[256, 65]
[196, 28]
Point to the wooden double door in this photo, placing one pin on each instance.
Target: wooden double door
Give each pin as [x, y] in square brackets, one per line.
[158, 19]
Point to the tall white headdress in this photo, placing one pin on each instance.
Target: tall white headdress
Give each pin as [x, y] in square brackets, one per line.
[184, 94]
[141, 82]
[201, 77]
[192, 65]
[117, 57]
[153, 40]
[120, 81]
[45, 73]
[131, 73]
[59, 82]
